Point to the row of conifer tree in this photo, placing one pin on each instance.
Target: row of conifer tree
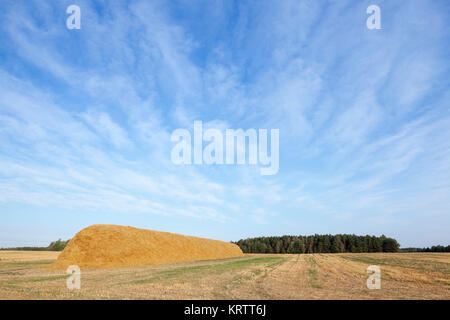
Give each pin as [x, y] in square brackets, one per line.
[437, 248]
[319, 244]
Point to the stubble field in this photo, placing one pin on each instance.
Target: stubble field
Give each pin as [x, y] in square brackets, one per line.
[23, 275]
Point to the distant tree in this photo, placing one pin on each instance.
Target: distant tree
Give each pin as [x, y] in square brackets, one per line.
[57, 245]
[338, 243]
[390, 245]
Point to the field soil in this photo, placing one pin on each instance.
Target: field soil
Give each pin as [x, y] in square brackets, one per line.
[26, 275]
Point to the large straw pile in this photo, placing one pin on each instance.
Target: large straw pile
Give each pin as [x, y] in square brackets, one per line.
[109, 246]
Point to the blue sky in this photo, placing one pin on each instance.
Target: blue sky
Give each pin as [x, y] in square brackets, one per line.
[86, 117]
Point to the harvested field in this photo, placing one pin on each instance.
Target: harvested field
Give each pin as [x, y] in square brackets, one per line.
[109, 246]
[18, 256]
[256, 276]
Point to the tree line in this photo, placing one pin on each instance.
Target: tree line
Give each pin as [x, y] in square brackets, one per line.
[57, 245]
[319, 244]
[437, 248]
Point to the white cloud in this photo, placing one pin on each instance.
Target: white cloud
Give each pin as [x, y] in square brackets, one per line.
[363, 116]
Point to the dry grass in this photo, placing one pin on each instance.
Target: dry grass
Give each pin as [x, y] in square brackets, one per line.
[17, 256]
[319, 276]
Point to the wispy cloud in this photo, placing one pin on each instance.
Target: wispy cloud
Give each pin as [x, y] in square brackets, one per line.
[86, 115]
